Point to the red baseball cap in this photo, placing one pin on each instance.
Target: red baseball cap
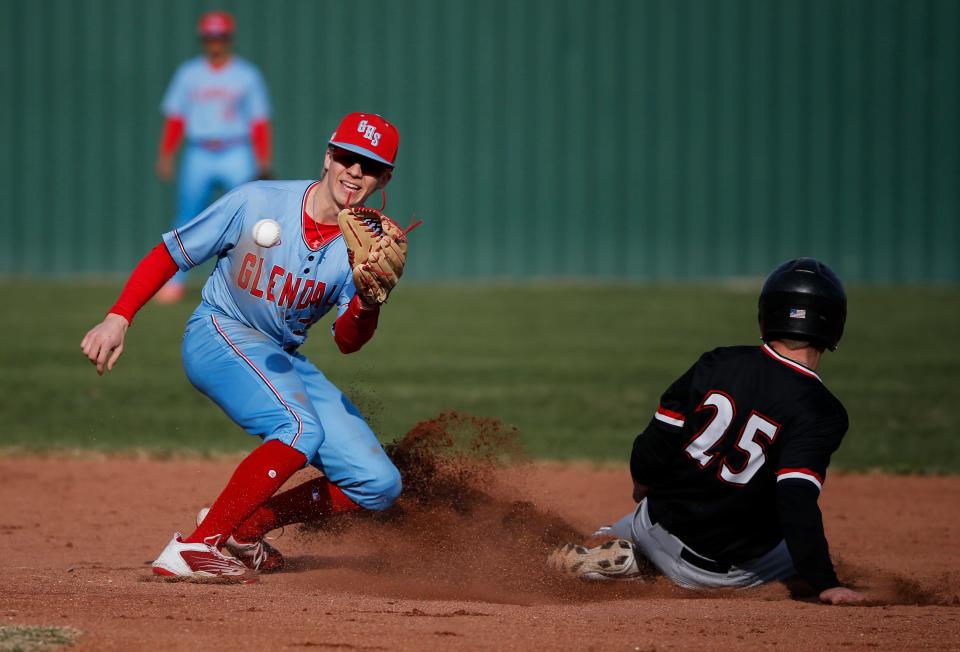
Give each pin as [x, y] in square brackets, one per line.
[216, 23]
[368, 134]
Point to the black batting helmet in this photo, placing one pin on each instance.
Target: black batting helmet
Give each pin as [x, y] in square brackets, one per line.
[803, 300]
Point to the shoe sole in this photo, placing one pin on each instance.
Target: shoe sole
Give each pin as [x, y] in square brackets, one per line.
[593, 576]
[603, 569]
[165, 575]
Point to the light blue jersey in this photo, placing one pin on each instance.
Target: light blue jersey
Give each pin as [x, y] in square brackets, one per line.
[240, 345]
[218, 104]
[280, 291]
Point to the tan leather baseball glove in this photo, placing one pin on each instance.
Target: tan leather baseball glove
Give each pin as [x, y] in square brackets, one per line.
[377, 249]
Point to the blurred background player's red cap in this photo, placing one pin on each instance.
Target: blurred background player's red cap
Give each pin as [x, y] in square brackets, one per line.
[368, 134]
[216, 24]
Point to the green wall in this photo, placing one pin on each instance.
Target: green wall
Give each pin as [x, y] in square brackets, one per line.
[664, 139]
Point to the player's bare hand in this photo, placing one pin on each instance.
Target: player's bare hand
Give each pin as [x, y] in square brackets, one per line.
[104, 343]
[841, 595]
[164, 168]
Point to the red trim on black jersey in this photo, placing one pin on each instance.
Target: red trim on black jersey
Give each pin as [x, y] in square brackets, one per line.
[802, 470]
[801, 474]
[796, 366]
[669, 417]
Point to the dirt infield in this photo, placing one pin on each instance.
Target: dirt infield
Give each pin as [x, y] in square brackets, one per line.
[78, 534]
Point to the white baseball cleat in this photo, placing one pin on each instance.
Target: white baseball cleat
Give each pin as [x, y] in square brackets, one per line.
[614, 559]
[200, 561]
[257, 555]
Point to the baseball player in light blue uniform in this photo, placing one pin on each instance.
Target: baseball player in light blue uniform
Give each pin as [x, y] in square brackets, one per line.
[240, 346]
[218, 104]
[241, 349]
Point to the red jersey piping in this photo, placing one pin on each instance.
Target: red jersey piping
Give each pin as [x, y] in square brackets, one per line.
[796, 366]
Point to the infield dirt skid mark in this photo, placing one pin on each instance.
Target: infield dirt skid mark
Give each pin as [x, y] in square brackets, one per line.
[462, 531]
[458, 531]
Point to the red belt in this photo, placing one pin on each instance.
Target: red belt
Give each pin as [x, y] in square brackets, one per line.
[216, 144]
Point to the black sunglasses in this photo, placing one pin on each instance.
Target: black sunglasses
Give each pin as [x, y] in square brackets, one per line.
[347, 158]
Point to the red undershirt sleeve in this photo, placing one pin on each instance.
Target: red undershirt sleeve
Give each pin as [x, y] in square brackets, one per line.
[156, 268]
[355, 327]
[173, 129]
[262, 139]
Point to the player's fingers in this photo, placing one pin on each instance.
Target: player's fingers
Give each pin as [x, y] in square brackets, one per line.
[88, 340]
[91, 350]
[113, 357]
[95, 345]
[93, 339]
[92, 358]
[102, 358]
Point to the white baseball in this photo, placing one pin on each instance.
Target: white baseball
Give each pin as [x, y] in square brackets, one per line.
[266, 233]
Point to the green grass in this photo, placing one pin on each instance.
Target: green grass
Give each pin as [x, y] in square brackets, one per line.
[578, 368]
[29, 638]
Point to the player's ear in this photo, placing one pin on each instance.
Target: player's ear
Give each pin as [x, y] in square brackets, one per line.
[384, 179]
[326, 162]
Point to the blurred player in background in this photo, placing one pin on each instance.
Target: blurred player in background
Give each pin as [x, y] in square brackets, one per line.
[218, 102]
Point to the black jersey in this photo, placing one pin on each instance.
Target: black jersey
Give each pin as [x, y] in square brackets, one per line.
[735, 457]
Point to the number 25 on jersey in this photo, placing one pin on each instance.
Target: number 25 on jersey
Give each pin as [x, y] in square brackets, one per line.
[750, 442]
